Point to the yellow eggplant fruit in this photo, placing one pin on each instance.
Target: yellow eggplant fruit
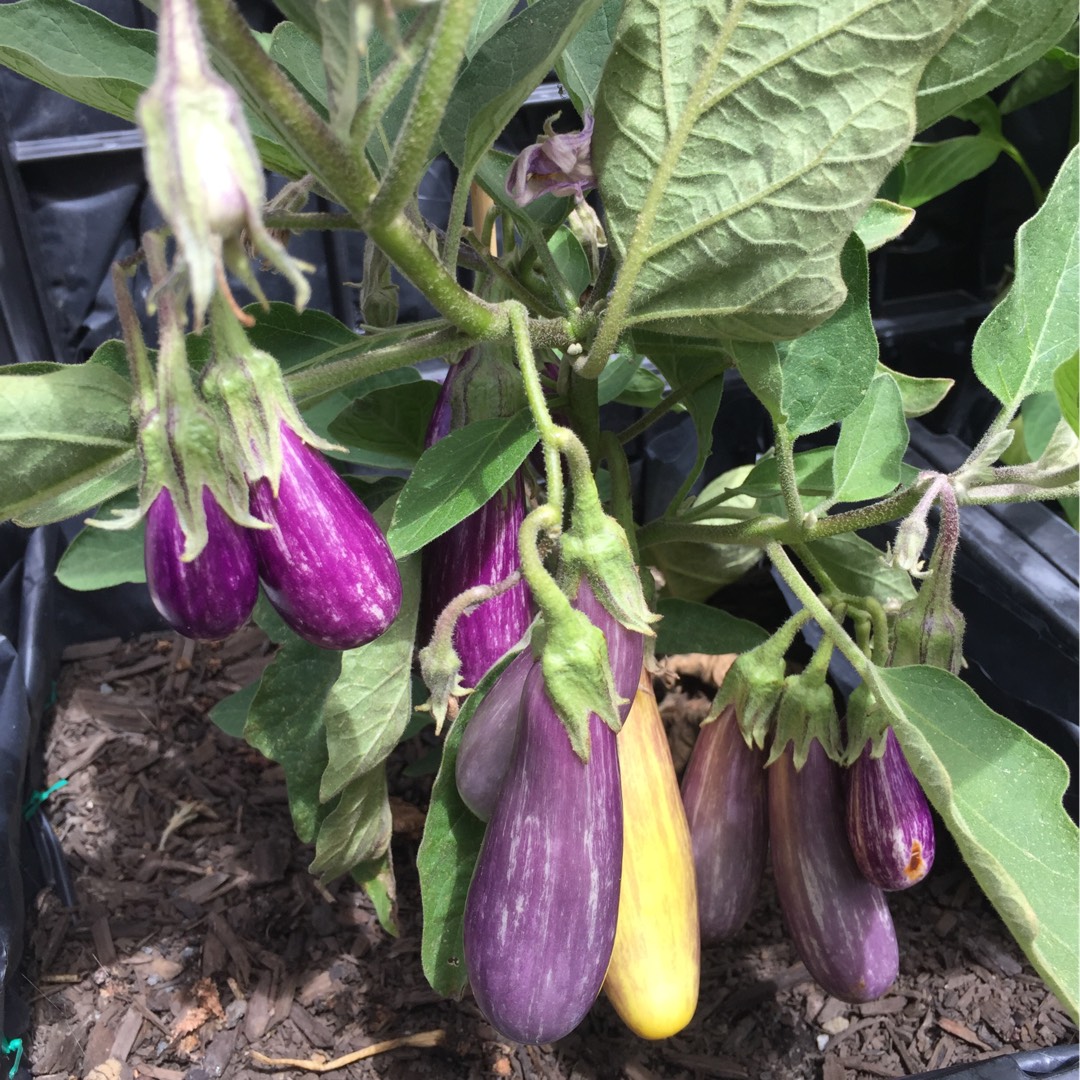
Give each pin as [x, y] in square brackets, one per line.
[656, 964]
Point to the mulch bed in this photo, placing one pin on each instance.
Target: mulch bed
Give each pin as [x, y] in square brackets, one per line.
[201, 939]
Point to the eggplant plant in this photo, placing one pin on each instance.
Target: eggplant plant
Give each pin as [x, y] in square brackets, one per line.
[702, 207]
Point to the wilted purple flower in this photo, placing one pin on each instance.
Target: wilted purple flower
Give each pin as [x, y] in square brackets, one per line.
[554, 165]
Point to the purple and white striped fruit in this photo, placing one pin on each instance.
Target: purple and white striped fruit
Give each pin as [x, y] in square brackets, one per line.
[488, 741]
[626, 648]
[840, 922]
[213, 594]
[888, 818]
[542, 907]
[724, 794]
[325, 565]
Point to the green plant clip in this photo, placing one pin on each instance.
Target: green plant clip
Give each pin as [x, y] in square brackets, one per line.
[33, 804]
[13, 1046]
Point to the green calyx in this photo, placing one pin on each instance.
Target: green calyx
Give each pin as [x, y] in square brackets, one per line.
[806, 711]
[866, 722]
[440, 668]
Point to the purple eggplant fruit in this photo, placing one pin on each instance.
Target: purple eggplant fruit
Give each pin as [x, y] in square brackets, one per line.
[626, 648]
[840, 922]
[541, 911]
[889, 824]
[325, 565]
[212, 595]
[724, 794]
[488, 742]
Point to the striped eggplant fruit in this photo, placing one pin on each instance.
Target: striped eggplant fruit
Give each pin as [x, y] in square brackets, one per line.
[626, 648]
[727, 808]
[840, 922]
[213, 594]
[540, 915]
[889, 824]
[325, 565]
[655, 966]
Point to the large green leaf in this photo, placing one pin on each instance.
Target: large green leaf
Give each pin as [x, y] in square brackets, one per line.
[582, 61]
[859, 569]
[738, 144]
[503, 73]
[930, 169]
[457, 476]
[994, 40]
[871, 445]
[689, 627]
[1067, 388]
[63, 436]
[1051, 73]
[386, 428]
[358, 827]
[999, 792]
[920, 396]
[1034, 329]
[98, 558]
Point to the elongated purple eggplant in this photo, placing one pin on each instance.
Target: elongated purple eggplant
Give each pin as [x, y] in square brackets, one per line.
[626, 648]
[724, 794]
[888, 819]
[212, 595]
[488, 742]
[325, 566]
[840, 922]
[541, 911]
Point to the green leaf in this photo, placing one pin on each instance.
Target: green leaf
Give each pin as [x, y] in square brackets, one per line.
[295, 338]
[1041, 414]
[547, 212]
[1050, 74]
[376, 877]
[871, 445]
[98, 558]
[582, 61]
[920, 396]
[370, 704]
[1023, 341]
[231, 713]
[386, 428]
[357, 829]
[644, 390]
[994, 40]
[999, 792]
[502, 74]
[930, 169]
[457, 476]
[489, 16]
[571, 260]
[883, 221]
[445, 860]
[285, 723]
[1067, 388]
[687, 627]
[63, 437]
[827, 372]
[858, 568]
[342, 51]
[660, 346]
[616, 376]
[692, 203]
[813, 474]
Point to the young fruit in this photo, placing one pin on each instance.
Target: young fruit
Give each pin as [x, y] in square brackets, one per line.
[888, 819]
[840, 922]
[655, 965]
[540, 915]
[325, 566]
[212, 595]
[724, 793]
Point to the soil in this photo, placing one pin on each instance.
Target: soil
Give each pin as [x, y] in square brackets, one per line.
[200, 939]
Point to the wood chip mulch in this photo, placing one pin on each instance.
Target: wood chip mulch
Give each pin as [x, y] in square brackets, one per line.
[202, 946]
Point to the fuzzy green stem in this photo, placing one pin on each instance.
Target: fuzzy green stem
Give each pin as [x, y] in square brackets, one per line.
[558, 284]
[284, 221]
[487, 263]
[660, 409]
[545, 589]
[456, 222]
[785, 467]
[622, 506]
[1037, 192]
[812, 563]
[585, 411]
[142, 374]
[412, 150]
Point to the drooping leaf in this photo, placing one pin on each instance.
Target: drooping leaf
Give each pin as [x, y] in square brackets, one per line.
[445, 860]
[502, 74]
[357, 828]
[231, 713]
[994, 40]
[827, 371]
[930, 169]
[96, 558]
[376, 877]
[285, 723]
[616, 376]
[1041, 414]
[571, 260]
[688, 627]
[644, 390]
[1067, 388]
[1050, 74]
[582, 61]
[883, 221]
[660, 346]
[999, 791]
[871, 445]
[858, 568]
[1023, 341]
[64, 437]
[692, 202]
[386, 427]
[457, 476]
[920, 396]
[489, 16]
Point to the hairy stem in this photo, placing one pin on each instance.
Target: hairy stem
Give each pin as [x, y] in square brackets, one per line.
[785, 467]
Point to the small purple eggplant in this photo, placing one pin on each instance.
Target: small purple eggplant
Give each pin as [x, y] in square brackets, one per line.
[888, 819]
[325, 566]
[840, 922]
[488, 742]
[212, 595]
[542, 907]
[626, 648]
[724, 794]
